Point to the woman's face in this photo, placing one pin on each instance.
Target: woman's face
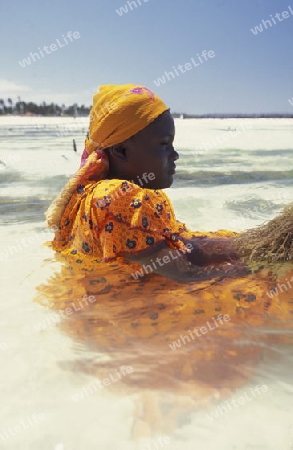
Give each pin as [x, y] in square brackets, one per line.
[149, 155]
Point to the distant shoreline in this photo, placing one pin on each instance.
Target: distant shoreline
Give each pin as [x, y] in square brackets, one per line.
[232, 116]
[175, 116]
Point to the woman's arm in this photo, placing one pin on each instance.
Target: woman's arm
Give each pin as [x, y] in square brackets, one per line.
[208, 258]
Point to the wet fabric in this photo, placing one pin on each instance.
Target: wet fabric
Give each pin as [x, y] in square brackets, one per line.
[195, 341]
[150, 323]
[107, 219]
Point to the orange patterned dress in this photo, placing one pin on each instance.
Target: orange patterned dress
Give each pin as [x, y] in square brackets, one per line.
[136, 319]
[108, 218]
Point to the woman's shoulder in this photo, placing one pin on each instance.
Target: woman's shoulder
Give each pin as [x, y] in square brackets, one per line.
[117, 188]
[112, 185]
[124, 194]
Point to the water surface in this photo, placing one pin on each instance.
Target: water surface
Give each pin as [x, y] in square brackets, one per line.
[51, 365]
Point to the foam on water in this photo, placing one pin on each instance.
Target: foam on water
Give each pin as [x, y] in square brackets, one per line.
[233, 157]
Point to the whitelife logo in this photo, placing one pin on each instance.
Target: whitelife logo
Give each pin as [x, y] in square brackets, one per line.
[146, 269]
[257, 211]
[156, 445]
[56, 317]
[24, 424]
[220, 410]
[86, 391]
[53, 47]
[205, 56]
[281, 287]
[124, 9]
[221, 139]
[200, 331]
[27, 242]
[259, 28]
[125, 186]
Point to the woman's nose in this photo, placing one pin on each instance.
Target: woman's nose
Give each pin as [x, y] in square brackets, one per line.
[175, 155]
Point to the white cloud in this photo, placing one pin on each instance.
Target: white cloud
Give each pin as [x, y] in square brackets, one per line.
[66, 98]
[11, 89]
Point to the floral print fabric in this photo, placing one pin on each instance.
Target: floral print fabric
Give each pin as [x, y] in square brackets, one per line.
[109, 218]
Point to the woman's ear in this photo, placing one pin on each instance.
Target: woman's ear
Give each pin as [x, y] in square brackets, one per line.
[117, 151]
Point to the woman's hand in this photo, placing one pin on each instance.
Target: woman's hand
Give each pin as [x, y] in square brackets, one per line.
[209, 251]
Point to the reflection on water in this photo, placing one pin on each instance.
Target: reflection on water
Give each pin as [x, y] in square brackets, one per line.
[134, 325]
[177, 349]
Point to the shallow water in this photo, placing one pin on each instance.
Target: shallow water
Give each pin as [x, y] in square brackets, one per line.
[53, 368]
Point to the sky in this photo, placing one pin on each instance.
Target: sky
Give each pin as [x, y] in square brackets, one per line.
[249, 72]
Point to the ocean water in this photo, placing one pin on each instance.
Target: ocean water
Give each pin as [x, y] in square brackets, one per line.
[232, 174]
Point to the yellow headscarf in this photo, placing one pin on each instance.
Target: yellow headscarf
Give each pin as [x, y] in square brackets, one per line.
[118, 113]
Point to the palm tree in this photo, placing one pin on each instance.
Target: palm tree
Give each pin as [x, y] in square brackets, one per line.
[19, 106]
[10, 103]
[2, 105]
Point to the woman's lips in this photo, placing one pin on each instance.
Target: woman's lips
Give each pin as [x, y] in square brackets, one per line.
[172, 171]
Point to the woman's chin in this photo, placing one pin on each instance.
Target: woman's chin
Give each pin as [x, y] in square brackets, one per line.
[163, 183]
[170, 180]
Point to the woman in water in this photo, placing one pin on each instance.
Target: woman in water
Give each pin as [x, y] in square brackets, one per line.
[114, 208]
[178, 306]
